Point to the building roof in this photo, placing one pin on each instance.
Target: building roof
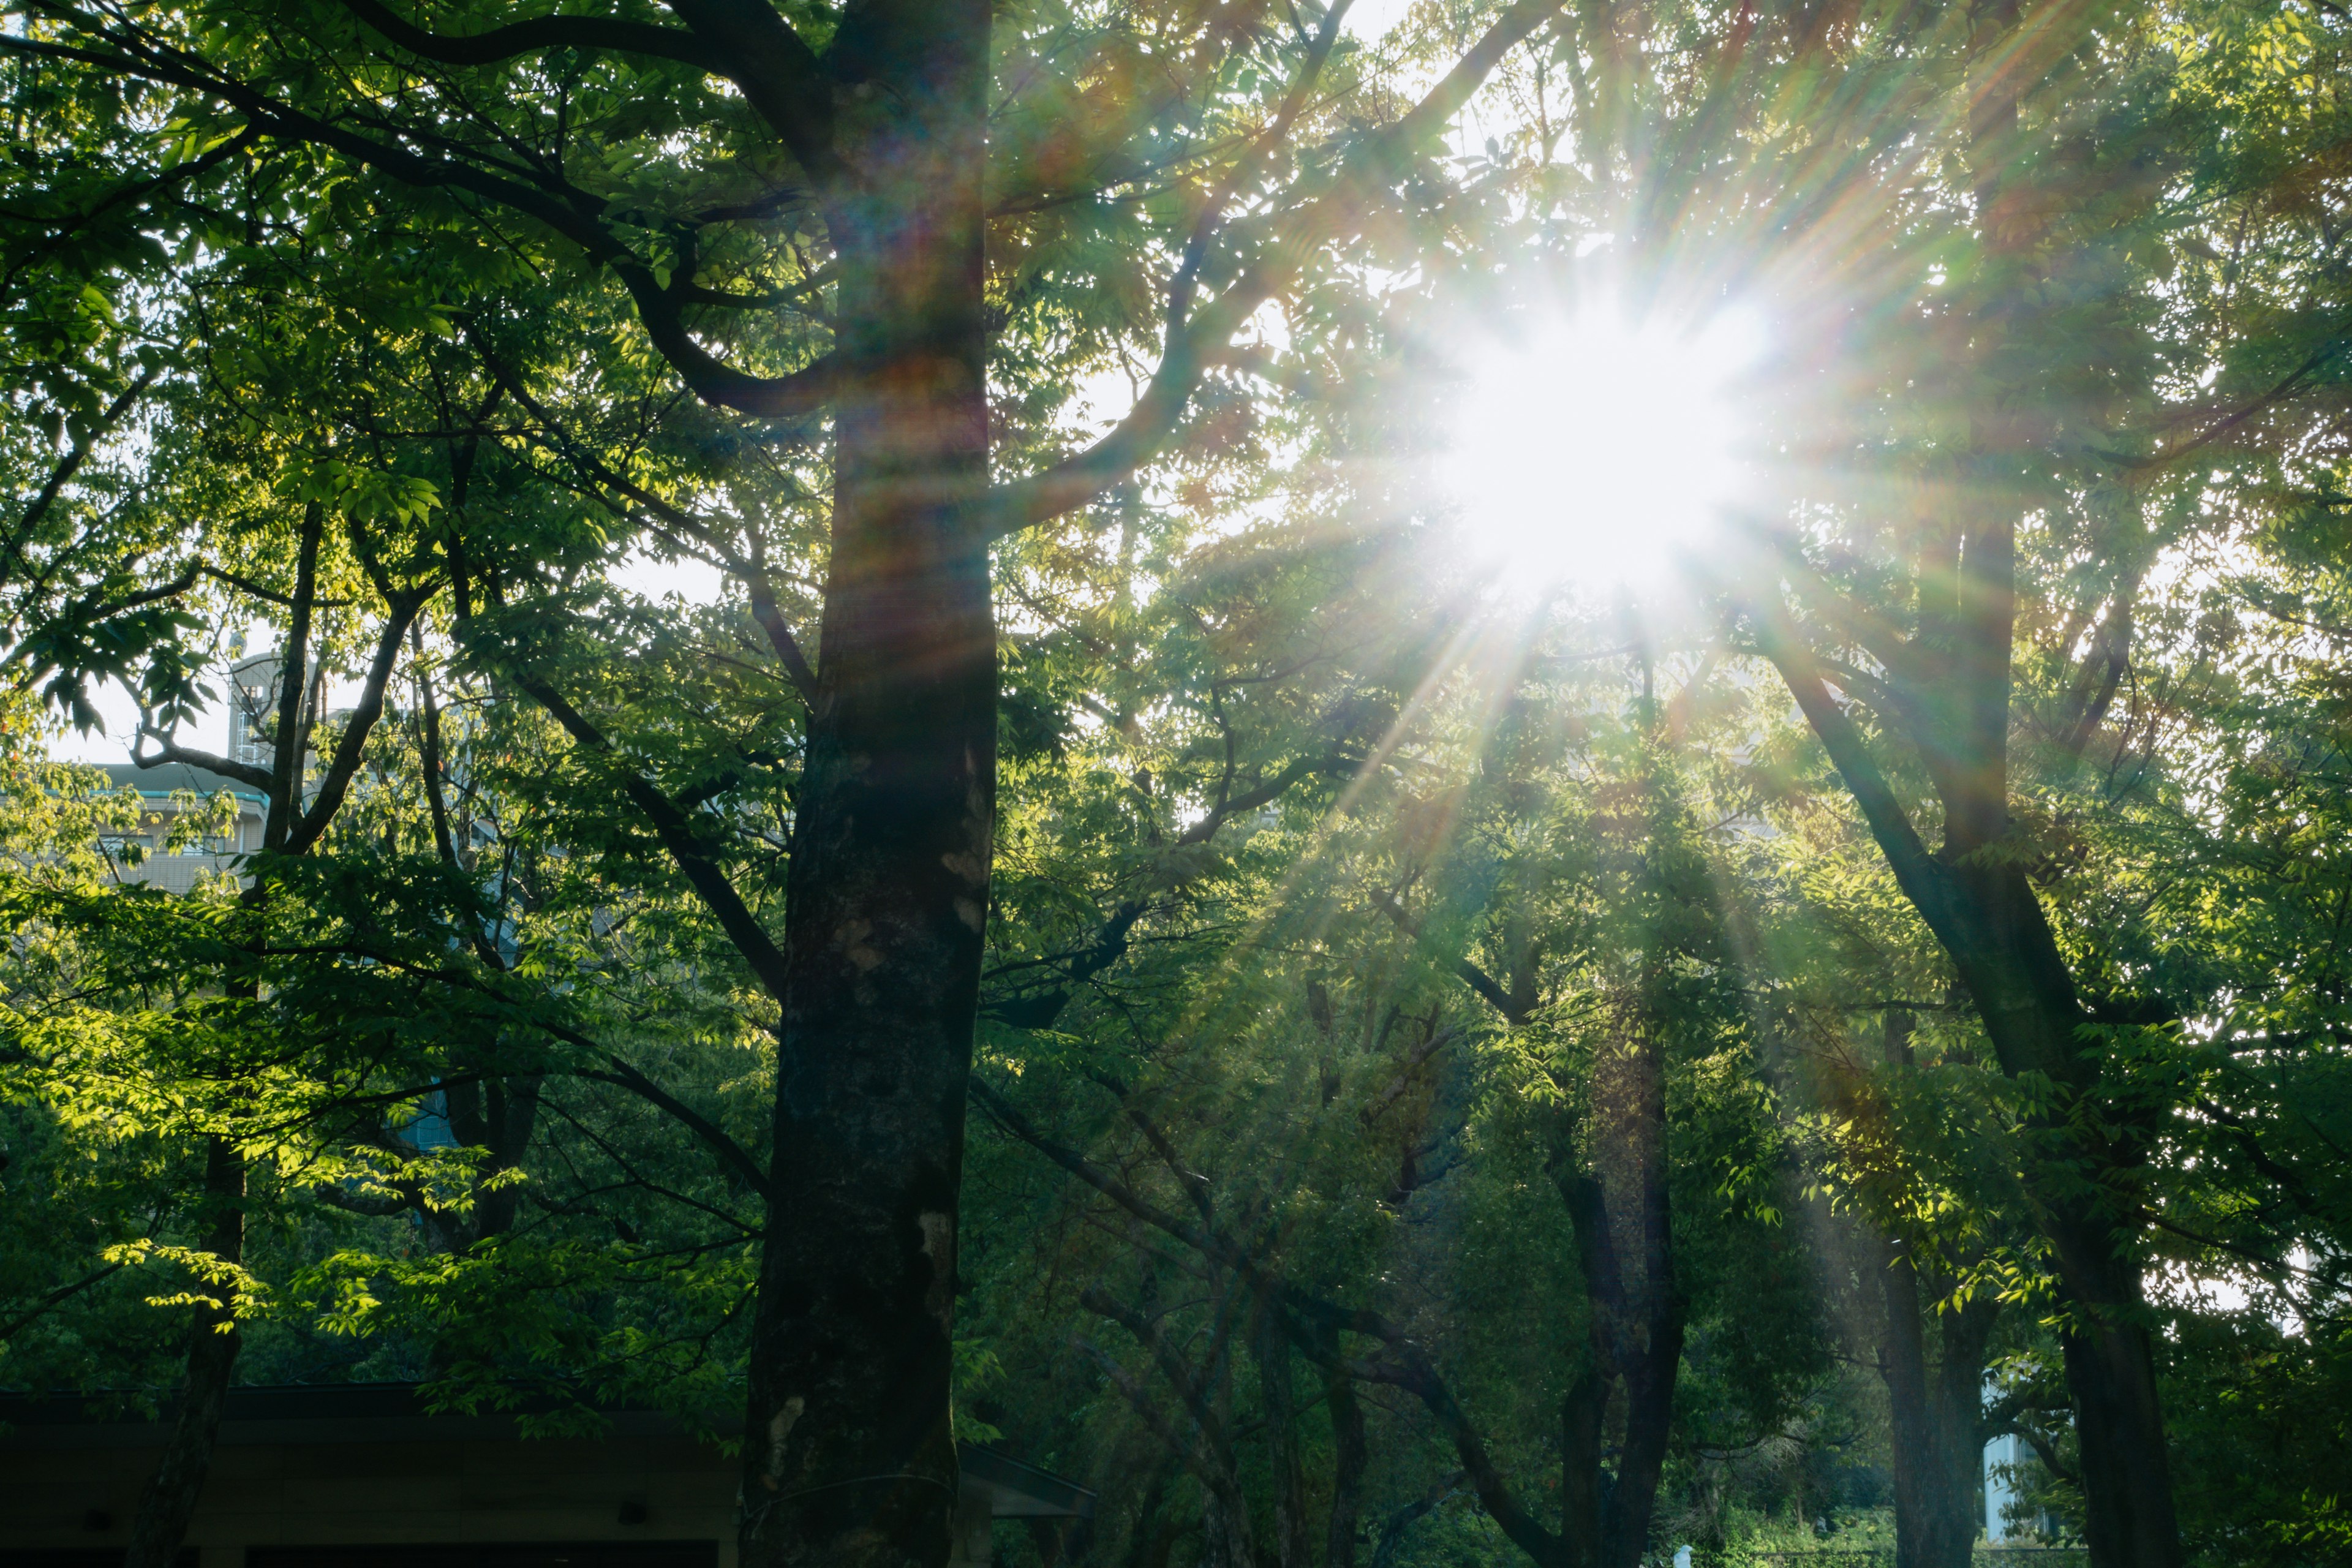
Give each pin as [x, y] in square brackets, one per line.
[167, 779]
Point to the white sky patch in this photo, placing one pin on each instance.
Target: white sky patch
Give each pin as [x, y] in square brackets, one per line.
[1598, 449]
[1271, 327]
[207, 731]
[1369, 21]
[648, 576]
[1103, 398]
[110, 744]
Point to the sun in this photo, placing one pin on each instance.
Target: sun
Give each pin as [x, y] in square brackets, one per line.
[1600, 451]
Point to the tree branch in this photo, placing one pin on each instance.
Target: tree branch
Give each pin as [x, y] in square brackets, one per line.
[752, 574]
[68, 466]
[53, 1300]
[677, 835]
[1489, 989]
[1922, 876]
[624, 1076]
[1184, 1378]
[173, 751]
[1152, 1418]
[574, 214]
[602, 33]
[337, 779]
[783, 81]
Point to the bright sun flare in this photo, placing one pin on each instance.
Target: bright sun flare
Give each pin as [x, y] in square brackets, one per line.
[1598, 450]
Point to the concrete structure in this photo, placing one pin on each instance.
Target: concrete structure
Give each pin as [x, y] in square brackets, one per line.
[357, 1476]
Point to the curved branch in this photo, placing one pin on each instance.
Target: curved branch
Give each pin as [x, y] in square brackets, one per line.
[712, 379]
[713, 1136]
[575, 214]
[227, 767]
[783, 81]
[69, 465]
[752, 574]
[53, 1300]
[337, 779]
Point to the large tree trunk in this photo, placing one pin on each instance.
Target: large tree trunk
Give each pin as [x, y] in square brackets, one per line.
[2009, 957]
[1986, 916]
[2118, 1420]
[161, 1524]
[849, 1460]
[2030, 1010]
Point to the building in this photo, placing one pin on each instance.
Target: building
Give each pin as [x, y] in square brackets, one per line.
[253, 687]
[160, 791]
[361, 1476]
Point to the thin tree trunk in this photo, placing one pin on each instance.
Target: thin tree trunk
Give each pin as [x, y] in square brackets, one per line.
[1270, 1347]
[1935, 1520]
[2018, 976]
[1583, 1483]
[1648, 1324]
[1349, 1454]
[850, 1462]
[170, 1500]
[1148, 1542]
[1958, 1395]
[1624, 1247]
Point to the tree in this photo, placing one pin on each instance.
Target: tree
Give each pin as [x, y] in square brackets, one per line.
[1915, 614]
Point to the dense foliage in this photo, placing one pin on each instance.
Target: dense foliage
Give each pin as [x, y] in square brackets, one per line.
[1458, 1069]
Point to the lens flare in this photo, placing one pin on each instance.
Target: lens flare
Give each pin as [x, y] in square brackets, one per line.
[1600, 451]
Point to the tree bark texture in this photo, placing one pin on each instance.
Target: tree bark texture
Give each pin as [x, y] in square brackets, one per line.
[1350, 1452]
[850, 1462]
[170, 1500]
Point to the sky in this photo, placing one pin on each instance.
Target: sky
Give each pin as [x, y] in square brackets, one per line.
[691, 579]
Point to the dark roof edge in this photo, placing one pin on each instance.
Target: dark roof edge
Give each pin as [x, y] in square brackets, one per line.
[1004, 1471]
[267, 1402]
[361, 1412]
